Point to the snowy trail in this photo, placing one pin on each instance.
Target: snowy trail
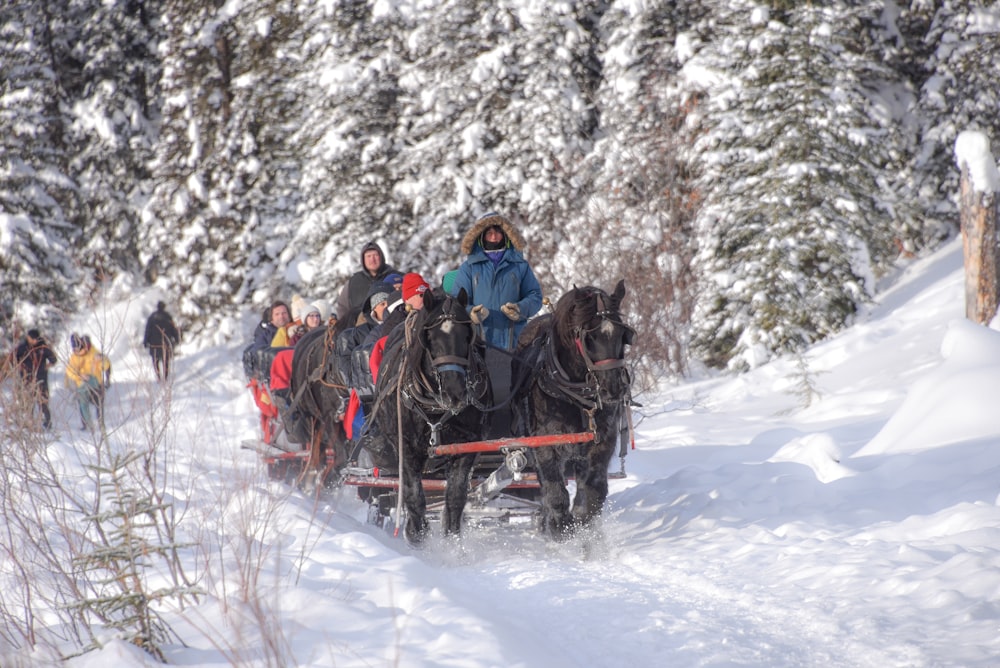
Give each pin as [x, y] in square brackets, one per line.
[550, 601]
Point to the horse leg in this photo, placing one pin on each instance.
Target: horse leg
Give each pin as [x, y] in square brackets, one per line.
[456, 492]
[412, 488]
[316, 446]
[592, 476]
[591, 491]
[308, 478]
[556, 519]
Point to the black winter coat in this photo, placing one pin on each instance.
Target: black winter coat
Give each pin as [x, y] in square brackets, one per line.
[161, 332]
[33, 361]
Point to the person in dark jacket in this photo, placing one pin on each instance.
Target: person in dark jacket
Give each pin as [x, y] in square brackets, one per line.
[373, 270]
[160, 338]
[349, 359]
[277, 316]
[33, 357]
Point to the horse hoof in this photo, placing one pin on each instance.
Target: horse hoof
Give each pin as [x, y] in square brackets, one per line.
[414, 536]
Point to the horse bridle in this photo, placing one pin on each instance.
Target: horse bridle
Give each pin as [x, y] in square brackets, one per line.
[585, 393]
[420, 388]
[606, 314]
[449, 362]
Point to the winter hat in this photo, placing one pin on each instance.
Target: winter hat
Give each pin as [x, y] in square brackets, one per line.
[414, 284]
[34, 334]
[372, 245]
[75, 342]
[393, 279]
[299, 306]
[379, 293]
[313, 308]
[395, 300]
[323, 306]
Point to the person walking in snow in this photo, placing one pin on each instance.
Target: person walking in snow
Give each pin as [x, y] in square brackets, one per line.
[160, 338]
[88, 372]
[33, 357]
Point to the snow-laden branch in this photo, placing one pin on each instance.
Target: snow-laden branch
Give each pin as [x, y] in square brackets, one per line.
[972, 152]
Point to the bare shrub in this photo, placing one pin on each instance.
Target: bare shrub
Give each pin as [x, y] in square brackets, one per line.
[638, 226]
[87, 533]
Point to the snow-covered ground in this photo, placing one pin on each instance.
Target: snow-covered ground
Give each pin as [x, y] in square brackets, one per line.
[853, 524]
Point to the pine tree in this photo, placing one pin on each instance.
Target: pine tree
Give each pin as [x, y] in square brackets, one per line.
[124, 531]
[961, 93]
[795, 225]
[641, 200]
[110, 119]
[225, 179]
[499, 111]
[40, 203]
[347, 142]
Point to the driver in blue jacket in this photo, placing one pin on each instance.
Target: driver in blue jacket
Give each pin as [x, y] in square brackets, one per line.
[502, 288]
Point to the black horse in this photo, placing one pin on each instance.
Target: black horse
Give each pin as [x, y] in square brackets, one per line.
[319, 395]
[432, 386]
[576, 381]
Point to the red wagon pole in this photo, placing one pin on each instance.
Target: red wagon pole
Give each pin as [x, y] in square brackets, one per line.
[499, 444]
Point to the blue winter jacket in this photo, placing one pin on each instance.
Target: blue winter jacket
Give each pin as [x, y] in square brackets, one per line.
[511, 280]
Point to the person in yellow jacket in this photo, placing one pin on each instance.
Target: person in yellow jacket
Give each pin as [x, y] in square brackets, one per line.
[89, 373]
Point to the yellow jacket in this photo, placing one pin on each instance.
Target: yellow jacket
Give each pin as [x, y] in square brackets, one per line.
[283, 337]
[88, 364]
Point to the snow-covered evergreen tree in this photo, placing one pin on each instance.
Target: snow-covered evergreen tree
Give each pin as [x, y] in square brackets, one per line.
[434, 115]
[40, 203]
[346, 143]
[639, 216]
[225, 186]
[961, 93]
[798, 219]
[498, 113]
[111, 118]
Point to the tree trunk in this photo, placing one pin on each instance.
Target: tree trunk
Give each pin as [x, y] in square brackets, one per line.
[978, 215]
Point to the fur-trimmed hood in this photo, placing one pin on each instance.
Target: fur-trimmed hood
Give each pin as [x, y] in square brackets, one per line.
[489, 220]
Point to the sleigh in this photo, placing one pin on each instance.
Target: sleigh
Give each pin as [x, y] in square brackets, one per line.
[268, 372]
[503, 488]
[436, 385]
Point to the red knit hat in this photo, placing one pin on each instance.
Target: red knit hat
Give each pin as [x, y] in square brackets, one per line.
[414, 284]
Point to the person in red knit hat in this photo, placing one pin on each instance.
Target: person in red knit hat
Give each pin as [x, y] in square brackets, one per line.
[414, 287]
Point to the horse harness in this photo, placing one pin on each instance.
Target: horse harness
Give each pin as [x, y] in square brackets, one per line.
[555, 382]
[416, 390]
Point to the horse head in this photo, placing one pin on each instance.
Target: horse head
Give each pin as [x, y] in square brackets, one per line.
[446, 346]
[592, 337]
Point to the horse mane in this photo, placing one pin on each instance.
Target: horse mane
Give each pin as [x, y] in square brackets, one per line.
[572, 312]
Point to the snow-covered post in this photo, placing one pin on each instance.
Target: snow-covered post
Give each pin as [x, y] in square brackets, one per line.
[978, 215]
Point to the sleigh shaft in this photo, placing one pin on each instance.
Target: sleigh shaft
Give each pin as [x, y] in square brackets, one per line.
[501, 444]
